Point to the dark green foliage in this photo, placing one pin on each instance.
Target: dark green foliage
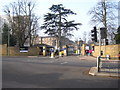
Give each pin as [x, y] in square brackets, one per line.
[13, 40]
[56, 24]
[6, 34]
[117, 36]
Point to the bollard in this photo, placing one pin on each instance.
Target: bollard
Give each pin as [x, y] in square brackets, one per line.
[65, 52]
[60, 53]
[44, 50]
[44, 53]
[52, 55]
[76, 52]
[98, 63]
[108, 57]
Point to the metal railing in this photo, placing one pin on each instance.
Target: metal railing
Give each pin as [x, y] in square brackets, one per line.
[107, 64]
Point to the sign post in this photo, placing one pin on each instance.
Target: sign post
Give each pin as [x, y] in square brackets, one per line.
[103, 34]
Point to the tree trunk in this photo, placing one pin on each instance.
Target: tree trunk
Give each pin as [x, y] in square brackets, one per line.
[60, 45]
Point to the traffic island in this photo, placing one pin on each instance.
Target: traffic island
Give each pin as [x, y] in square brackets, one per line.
[93, 72]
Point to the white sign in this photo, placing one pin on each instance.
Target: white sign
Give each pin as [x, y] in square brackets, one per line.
[87, 47]
[23, 49]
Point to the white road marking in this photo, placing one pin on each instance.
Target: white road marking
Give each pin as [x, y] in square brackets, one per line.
[51, 61]
[64, 62]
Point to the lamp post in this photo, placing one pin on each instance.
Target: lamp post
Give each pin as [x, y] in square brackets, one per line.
[8, 40]
[29, 25]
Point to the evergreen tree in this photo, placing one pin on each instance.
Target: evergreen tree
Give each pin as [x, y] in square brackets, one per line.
[56, 24]
[117, 36]
[6, 34]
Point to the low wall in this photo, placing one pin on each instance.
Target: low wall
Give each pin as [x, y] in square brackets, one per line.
[3, 49]
[112, 50]
[14, 51]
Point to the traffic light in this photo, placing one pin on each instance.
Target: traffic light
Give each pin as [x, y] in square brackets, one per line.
[106, 41]
[103, 32]
[94, 34]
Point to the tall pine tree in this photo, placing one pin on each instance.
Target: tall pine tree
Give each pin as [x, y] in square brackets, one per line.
[117, 36]
[6, 32]
[56, 23]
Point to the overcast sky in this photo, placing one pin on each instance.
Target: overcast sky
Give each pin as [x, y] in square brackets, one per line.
[81, 7]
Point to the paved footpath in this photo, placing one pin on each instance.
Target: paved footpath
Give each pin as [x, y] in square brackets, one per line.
[93, 70]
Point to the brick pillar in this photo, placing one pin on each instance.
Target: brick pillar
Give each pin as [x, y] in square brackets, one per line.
[83, 49]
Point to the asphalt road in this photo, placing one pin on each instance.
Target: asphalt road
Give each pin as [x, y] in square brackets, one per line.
[45, 72]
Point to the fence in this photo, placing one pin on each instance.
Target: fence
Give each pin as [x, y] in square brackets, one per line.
[107, 64]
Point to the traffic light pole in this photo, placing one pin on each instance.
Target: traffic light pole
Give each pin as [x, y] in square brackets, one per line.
[99, 43]
[105, 47]
[103, 33]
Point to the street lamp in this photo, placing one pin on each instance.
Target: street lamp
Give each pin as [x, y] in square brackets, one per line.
[29, 27]
[8, 38]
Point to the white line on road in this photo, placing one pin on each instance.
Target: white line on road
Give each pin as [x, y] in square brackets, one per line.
[64, 62]
[51, 61]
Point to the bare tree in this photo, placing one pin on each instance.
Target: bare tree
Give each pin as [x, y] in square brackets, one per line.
[84, 36]
[103, 14]
[89, 39]
[24, 23]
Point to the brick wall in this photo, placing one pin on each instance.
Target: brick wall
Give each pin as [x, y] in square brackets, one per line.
[111, 50]
[3, 49]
